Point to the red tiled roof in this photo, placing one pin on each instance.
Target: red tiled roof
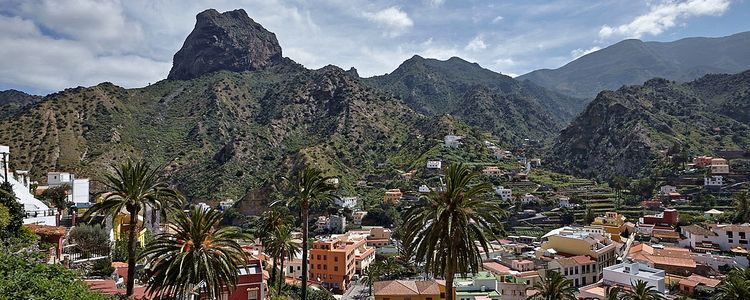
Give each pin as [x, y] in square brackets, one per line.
[406, 287]
[496, 268]
[47, 230]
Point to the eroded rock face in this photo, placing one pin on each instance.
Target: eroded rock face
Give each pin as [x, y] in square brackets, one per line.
[225, 41]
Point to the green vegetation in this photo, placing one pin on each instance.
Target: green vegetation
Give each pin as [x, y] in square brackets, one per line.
[197, 251]
[90, 239]
[134, 186]
[554, 287]
[442, 231]
[309, 188]
[22, 276]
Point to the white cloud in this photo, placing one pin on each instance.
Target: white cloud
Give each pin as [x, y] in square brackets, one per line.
[393, 18]
[663, 16]
[476, 44]
[436, 3]
[497, 19]
[581, 52]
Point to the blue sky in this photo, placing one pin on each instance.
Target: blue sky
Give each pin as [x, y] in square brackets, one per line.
[49, 45]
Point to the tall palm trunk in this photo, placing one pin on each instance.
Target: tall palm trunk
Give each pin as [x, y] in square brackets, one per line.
[131, 251]
[304, 208]
[281, 276]
[449, 275]
[273, 270]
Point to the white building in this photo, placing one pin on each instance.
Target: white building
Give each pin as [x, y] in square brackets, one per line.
[36, 211]
[665, 190]
[347, 202]
[713, 181]
[434, 164]
[336, 224]
[721, 236]
[505, 194]
[564, 202]
[529, 198]
[226, 204]
[79, 187]
[625, 274]
[452, 141]
[424, 188]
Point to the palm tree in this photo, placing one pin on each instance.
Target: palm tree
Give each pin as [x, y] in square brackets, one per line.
[554, 287]
[284, 246]
[742, 204]
[735, 287]
[134, 187]
[373, 274]
[640, 290]
[614, 293]
[267, 225]
[444, 229]
[195, 253]
[310, 188]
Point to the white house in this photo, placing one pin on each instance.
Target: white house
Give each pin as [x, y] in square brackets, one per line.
[625, 274]
[36, 211]
[529, 198]
[348, 202]
[333, 181]
[665, 190]
[434, 164]
[721, 236]
[226, 204]
[564, 202]
[712, 213]
[424, 188]
[79, 187]
[713, 181]
[505, 194]
[452, 141]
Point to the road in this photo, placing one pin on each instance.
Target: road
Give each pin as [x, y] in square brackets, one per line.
[358, 291]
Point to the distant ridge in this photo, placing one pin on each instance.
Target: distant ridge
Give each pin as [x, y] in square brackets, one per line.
[634, 61]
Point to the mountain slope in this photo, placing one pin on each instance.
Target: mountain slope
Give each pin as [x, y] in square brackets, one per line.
[11, 101]
[633, 62]
[625, 131]
[227, 134]
[511, 109]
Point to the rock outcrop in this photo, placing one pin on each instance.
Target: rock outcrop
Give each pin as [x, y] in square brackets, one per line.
[225, 41]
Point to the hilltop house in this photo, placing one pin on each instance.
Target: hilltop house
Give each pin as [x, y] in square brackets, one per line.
[424, 188]
[493, 171]
[79, 187]
[36, 211]
[452, 141]
[719, 237]
[719, 166]
[713, 182]
[434, 164]
[504, 193]
[392, 196]
[346, 202]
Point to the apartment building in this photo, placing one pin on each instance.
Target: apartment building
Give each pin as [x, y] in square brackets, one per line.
[335, 260]
[612, 223]
[723, 237]
[573, 241]
[579, 269]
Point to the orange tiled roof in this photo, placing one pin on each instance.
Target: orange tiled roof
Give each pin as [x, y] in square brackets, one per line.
[496, 268]
[697, 279]
[47, 230]
[406, 287]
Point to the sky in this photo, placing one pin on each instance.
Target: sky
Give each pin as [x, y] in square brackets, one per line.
[50, 45]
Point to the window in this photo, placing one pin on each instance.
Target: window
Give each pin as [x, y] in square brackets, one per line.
[730, 234]
[318, 257]
[335, 268]
[252, 294]
[576, 281]
[325, 267]
[742, 235]
[325, 257]
[583, 280]
[335, 258]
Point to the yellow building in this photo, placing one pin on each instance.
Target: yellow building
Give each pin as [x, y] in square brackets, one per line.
[392, 196]
[121, 228]
[409, 290]
[572, 241]
[612, 223]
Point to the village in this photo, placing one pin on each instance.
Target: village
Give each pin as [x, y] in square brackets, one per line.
[680, 235]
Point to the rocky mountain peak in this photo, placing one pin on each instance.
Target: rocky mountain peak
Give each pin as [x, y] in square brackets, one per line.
[225, 41]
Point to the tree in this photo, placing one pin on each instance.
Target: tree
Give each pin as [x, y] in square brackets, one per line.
[613, 293]
[15, 211]
[267, 225]
[444, 229]
[310, 188]
[589, 217]
[282, 245]
[133, 187]
[58, 196]
[736, 286]
[24, 277]
[372, 275]
[195, 250]
[640, 290]
[4, 216]
[90, 238]
[742, 204]
[554, 287]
